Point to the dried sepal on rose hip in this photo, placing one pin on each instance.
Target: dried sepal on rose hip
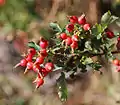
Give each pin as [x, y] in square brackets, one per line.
[82, 19]
[38, 81]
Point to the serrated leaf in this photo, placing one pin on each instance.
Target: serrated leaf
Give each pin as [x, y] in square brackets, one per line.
[55, 27]
[33, 45]
[106, 17]
[62, 88]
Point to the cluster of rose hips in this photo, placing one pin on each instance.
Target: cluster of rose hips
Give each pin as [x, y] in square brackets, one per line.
[72, 41]
[34, 60]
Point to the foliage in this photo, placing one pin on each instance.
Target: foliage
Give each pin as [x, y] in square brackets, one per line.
[70, 49]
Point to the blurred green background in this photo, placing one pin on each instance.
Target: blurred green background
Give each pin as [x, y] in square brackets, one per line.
[25, 20]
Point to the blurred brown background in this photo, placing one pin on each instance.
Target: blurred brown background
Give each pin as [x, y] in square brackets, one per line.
[88, 89]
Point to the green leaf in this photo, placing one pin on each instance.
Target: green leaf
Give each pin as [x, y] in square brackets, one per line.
[97, 30]
[106, 17]
[33, 45]
[113, 19]
[109, 56]
[57, 68]
[62, 88]
[55, 27]
[86, 60]
[88, 45]
[96, 66]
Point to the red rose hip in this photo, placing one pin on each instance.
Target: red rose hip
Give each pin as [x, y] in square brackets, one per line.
[74, 45]
[82, 20]
[32, 51]
[43, 52]
[75, 38]
[73, 19]
[116, 62]
[23, 62]
[63, 36]
[86, 27]
[43, 44]
[109, 34]
[30, 65]
[49, 66]
[39, 60]
[70, 27]
[68, 41]
[29, 57]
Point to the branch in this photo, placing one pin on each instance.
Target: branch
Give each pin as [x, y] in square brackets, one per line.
[113, 52]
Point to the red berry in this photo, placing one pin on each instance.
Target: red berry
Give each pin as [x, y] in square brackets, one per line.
[43, 52]
[23, 62]
[39, 81]
[73, 19]
[70, 27]
[36, 68]
[74, 45]
[2, 2]
[116, 62]
[43, 44]
[75, 38]
[32, 51]
[63, 36]
[49, 67]
[109, 34]
[44, 72]
[82, 20]
[29, 57]
[118, 38]
[30, 65]
[86, 27]
[68, 41]
[40, 60]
